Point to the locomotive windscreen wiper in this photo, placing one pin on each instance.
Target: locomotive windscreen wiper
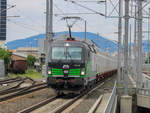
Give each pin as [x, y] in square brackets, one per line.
[69, 56]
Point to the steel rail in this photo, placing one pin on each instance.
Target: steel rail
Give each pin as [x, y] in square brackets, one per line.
[36, 106]
[12, 89]
[70, 102]
[84, 94]
[9, 79]
[24, 91]
[64, 106]
[15, 80]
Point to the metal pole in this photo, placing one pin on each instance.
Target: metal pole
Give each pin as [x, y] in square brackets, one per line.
[135, 53]
[148, 36]
[119, 39]
[47, 22]
[139, 65]
[85, 30]
[70, 31]
[49, 29]
[51, 20]
[130, 60]
[123, 57]
[126, 47]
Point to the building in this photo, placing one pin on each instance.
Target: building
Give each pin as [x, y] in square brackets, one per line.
[28, 51]
[3, 17]
[18, 56]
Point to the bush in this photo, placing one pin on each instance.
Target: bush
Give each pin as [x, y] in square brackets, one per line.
[30, 60]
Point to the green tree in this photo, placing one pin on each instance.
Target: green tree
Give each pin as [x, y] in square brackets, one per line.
[6, 56]
[2, 52]
[30, 60]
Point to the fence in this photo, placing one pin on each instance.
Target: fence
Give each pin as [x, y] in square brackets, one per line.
[110, 105]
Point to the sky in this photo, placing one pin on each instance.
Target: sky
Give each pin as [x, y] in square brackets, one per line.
[31, 20]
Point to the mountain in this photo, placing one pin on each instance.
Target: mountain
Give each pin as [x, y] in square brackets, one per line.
[146, 45]
[32, 41]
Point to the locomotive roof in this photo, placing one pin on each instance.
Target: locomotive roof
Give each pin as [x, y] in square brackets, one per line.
[78, 40]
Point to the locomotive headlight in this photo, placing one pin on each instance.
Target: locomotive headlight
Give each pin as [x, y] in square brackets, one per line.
[49, 72]
[83, 72]
[67, 44]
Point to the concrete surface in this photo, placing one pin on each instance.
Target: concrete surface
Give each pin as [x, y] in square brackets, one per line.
[126, 104]
[143, 101]
[101, 107]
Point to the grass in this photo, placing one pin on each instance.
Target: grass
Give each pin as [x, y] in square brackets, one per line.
[29, 73]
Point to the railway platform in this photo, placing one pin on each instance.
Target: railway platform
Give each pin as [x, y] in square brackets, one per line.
[103, 103]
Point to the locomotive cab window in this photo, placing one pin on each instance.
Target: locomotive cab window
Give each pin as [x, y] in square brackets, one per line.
[58, 53]
[74, 53]
[66, 53]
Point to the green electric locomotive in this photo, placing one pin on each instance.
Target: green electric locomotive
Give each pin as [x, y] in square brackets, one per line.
[75, 64]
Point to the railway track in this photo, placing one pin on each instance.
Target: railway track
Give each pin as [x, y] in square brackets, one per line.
[27, 110]
[12, 89]
[10, 80]
[16, 87]
[15, 91]
[8, 86]
[58, 105]
[66, 106]
[96, 99]
[23, 101]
